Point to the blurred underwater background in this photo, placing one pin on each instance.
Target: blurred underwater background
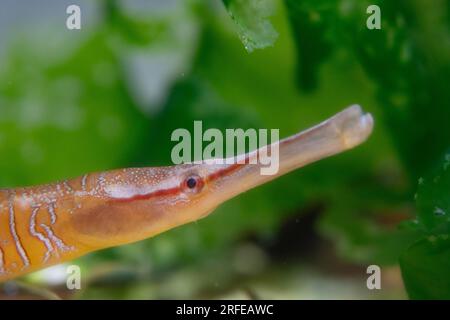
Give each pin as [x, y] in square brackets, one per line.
[109, 96]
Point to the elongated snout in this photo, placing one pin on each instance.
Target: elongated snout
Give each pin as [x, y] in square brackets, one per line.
[341, 132]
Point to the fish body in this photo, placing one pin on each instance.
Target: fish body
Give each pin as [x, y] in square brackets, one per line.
[49, 224]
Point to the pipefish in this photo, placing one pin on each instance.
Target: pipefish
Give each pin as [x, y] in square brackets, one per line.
[49, 224]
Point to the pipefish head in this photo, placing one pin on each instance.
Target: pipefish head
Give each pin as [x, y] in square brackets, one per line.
[172, 196]
[197, 189]
[222, 179]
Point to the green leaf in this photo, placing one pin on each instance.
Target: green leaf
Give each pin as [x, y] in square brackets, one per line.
[425, 268]
[252, 21]
[426, 264]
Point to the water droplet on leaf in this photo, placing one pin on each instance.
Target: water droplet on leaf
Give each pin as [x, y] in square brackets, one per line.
[438, 211]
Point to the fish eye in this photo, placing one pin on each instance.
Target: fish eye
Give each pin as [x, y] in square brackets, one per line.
[193, 184]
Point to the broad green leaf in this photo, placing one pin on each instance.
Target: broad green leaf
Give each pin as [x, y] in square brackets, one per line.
[426, 264]
[252, 22]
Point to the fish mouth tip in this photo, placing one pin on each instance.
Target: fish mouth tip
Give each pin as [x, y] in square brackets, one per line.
[354, 125]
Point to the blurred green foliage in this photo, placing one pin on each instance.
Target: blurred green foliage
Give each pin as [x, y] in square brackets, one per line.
[62, 117]
[263, 64]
